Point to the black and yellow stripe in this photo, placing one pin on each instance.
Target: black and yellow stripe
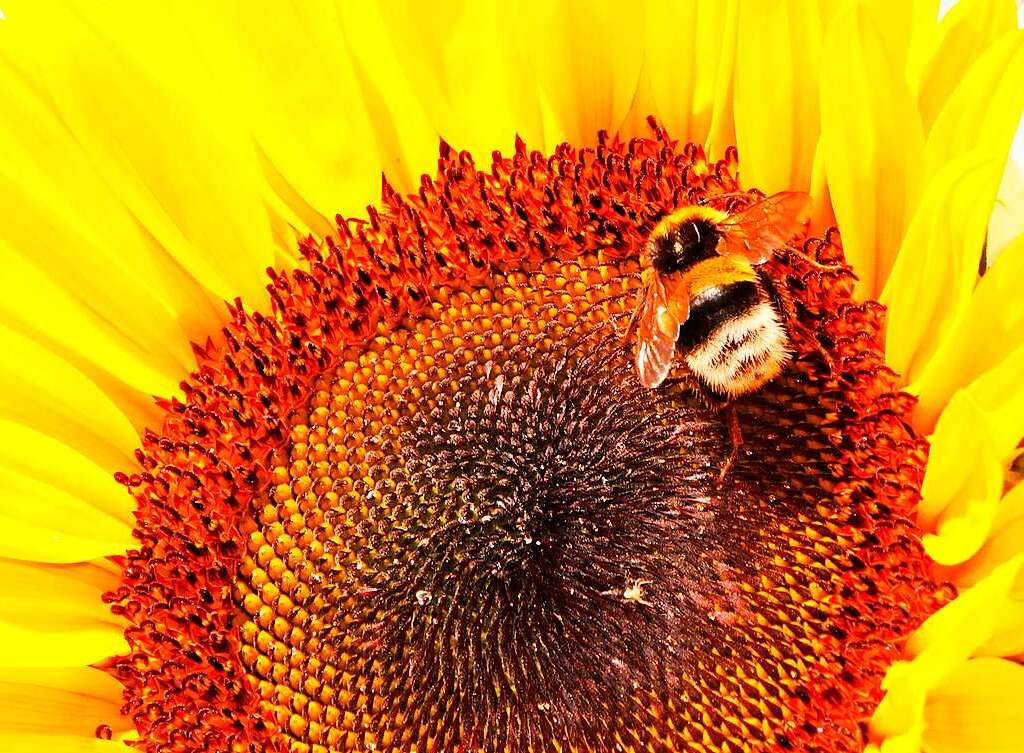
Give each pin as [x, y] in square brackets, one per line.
[717, 307]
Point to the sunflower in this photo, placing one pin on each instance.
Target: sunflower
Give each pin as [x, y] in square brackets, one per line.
[405, 493]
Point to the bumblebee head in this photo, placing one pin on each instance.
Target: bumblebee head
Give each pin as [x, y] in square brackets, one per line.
[684, 238]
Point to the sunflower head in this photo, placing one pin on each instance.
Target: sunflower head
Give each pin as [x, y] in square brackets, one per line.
[467, 524]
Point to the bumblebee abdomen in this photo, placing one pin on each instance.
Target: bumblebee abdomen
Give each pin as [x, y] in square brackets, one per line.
[734, 340]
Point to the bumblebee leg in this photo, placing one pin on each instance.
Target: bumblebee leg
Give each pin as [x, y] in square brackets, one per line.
[736, 441]
[787, 309]
[826, 357]
[795, 323]
[716, 404]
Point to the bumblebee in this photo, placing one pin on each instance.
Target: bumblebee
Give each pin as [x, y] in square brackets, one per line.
[704, 300]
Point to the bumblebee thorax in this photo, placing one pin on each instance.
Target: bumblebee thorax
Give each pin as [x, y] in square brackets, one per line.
[683, 239]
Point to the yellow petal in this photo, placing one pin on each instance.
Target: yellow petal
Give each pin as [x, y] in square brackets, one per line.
[129, 367]
[59, 701]
[1005, 542]
[974, 441]
[990, 327]
[60, 744]
[683, 71]
[54, 616]
[902, 744]
[584, 57]
[58, 504]
[476, 75]
[155, 126]
[70, 243]
[36, 455]
[1008, 638]
[999, 392]
[47, 394]
[977, 709]
[44, 522]
[933, 277]
[28, 648]
[963, 34]
[468, 71]
[56, 596]
[873, 144]
[898, 722]
[980, 621]
[909, 28]
[822, 216]
[53, 599]
[721, 132]
[1007, 222]
[549, 72]
[321, 120]
[776, 100]
[962, 629]
[983, 111]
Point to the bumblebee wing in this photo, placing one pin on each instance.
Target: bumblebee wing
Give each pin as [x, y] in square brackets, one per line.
[755, 233]
[655, 347]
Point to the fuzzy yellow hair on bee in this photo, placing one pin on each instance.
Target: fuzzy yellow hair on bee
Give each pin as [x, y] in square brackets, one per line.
[705, 302]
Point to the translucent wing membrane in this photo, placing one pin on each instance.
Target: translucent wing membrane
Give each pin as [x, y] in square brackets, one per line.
[755, 233]
[655, 347]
